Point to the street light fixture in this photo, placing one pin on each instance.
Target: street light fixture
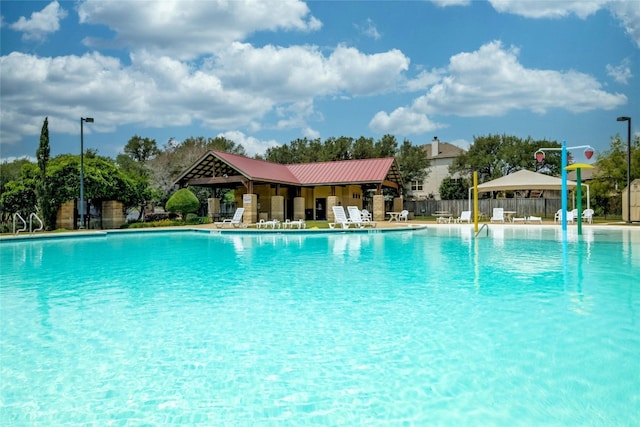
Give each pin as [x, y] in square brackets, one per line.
[82, 121]
[628, 120]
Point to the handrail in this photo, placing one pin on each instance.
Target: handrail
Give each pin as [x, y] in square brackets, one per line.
[485, 225]
[33, 215]
[24, 228]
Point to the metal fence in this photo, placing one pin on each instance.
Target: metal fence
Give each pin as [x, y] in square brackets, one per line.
[523, 207]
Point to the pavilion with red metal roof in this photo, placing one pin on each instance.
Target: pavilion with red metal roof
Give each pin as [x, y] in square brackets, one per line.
[295, 191]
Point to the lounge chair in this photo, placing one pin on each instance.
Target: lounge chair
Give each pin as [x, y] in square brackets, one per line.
[236, 221]
[404, 215]
[273, 223]
[465, 216]
[498, 215]
[519, 219]
[355, 217]
[340, 218]
[299, 223]
[534, 219]
[587, 215]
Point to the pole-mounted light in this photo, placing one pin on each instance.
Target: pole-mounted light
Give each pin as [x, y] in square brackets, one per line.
[82, 121]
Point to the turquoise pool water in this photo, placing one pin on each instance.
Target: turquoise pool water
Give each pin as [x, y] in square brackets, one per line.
[405, 328]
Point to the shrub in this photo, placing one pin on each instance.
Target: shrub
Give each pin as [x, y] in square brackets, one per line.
[183, 202]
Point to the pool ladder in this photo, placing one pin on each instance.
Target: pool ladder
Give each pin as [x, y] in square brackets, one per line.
[17, 216]
[484, 226]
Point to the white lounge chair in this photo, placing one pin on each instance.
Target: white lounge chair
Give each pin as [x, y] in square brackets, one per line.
[273, 223]
[534, 219]
[587, 215]
[404, 215]
[498, 215]
[356, 218]
[236, 221]
[465, 216]
[299, 223]
[340, 218]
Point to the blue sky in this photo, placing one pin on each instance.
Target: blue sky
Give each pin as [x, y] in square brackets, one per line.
[264, 73]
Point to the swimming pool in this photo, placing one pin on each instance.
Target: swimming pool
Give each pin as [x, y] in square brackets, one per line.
[425, 327]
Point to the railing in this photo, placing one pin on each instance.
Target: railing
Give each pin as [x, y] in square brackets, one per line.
[24, 223]
[33, 215]
[17, 216]
[484, 226]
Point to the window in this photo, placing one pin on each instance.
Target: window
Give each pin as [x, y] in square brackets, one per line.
[416, 185]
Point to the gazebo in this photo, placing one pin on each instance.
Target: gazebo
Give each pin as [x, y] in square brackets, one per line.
[525, 180]
[294, 191]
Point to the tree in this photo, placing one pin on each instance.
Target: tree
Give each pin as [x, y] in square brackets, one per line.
[138, 152]
[175, 158]
[454, 189]
[43, 198]
[494, 156]
[183, 202]
[413, 163]
[611, 175]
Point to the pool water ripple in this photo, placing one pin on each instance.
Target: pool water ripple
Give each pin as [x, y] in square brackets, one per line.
[414, 328]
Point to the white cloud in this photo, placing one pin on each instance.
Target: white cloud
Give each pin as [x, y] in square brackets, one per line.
[403, 121]
[234, 90]
[446, 3]
[251, 145]
[620, 73]
[628, 13]
[549, 9]
[186, 29]
[369, 29]
[491, 82]
[41, 23]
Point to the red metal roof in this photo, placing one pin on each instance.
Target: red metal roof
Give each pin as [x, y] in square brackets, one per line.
[258, 169]
[342, 172]
[216, 163]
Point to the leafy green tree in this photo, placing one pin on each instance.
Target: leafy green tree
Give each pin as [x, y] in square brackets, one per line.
[494, 156]
[134, 162]
[610, 178]
[183, 202]
[454, 189]
[413, 162]
[19, 195]
[9, 172]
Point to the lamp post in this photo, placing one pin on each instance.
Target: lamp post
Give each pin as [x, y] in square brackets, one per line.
[628, 120]
[539, 156]
[82, 121]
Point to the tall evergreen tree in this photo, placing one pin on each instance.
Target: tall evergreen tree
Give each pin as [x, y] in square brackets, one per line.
[47, 214]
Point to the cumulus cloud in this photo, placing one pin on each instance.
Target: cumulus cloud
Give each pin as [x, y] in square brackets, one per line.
[491, 82]
[369, 29]
[404, 121]
[41, 23]
[628, 13]
[620, 73]
[185, 29]
[549, 9]
[251, 145]
[236, 89]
